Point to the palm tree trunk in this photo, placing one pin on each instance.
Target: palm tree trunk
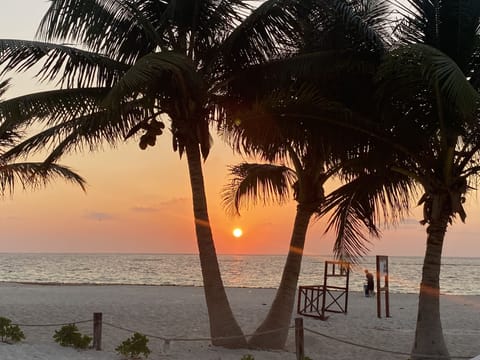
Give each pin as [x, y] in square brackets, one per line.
[429, 341]
[222, 320]
[273, 332]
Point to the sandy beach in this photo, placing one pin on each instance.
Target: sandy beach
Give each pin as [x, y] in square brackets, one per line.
[180, 312]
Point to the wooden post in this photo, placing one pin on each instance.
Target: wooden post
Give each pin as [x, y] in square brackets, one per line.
[346, 287]
[387, 297]
[299, 343]
[382, 272]
[97, 331]
[379, 288]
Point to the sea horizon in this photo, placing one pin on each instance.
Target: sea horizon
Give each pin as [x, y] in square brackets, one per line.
[218, 253]
[459, 275]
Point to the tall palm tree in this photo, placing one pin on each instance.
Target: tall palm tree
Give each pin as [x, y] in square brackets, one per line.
[140, 63]
[428, 86]
[28, 174]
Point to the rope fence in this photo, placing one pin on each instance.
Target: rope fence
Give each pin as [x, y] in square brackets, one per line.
[181, 339]
[51, 325]
[298, 326]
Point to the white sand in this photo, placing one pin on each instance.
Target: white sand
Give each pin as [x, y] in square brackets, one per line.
[181, 312]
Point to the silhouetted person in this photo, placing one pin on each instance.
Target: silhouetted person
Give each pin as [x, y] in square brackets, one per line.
[369, 289]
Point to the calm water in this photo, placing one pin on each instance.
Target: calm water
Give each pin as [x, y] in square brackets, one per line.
[460, 276]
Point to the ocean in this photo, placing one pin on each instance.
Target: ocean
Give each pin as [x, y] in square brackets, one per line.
[459, 276]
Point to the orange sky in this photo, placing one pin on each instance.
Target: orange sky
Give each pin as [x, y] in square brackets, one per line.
[140, 201]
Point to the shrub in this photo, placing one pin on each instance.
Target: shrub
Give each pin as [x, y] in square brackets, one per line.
[134, 346]
[69, 335]
[9, 332]
[247, 357]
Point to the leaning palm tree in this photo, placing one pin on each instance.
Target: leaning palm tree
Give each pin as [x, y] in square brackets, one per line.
[301, 156]
[139, 64]
[28, 174]
[266, 182]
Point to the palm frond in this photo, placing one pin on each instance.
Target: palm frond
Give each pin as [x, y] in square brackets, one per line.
[252, 183]
[4, 85]
[349, 221]
[70, 66]
[366, 21]
[167, 74]
[131, 12]
[50, 107]
[62, 111]
[205, 23]
[449, 26]
[421, 66]
[324, 67]
[107, 26]
[357, 207]
[266, 32]
[34, 175]
[8, 134]
[299, 116]
[419, 21]
[85, 131]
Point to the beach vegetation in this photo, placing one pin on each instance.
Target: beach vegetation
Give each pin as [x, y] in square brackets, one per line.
[137, 66]
[247, 357]
[134, 346]
[10, 333]
[69, 336]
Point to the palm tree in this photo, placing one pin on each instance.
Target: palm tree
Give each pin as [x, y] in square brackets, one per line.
[254, 181]
[140, 63]
[428, 86]
[316, 153]
[28, 174]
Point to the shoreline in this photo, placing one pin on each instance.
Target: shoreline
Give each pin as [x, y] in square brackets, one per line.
[85, 284]
[180, 312]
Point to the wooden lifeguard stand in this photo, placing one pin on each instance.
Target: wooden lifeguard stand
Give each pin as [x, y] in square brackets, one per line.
[315, 300]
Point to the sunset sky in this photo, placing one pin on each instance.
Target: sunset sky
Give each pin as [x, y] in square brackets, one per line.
[140, 201]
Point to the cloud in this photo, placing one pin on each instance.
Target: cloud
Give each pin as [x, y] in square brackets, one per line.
[11, 218]
[176, 202]
[144, 209]
[98, 216]
[162, 206]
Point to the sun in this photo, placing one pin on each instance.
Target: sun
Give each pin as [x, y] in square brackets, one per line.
[237, 232]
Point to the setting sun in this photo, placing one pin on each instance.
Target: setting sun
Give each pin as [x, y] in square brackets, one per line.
[237, 232]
